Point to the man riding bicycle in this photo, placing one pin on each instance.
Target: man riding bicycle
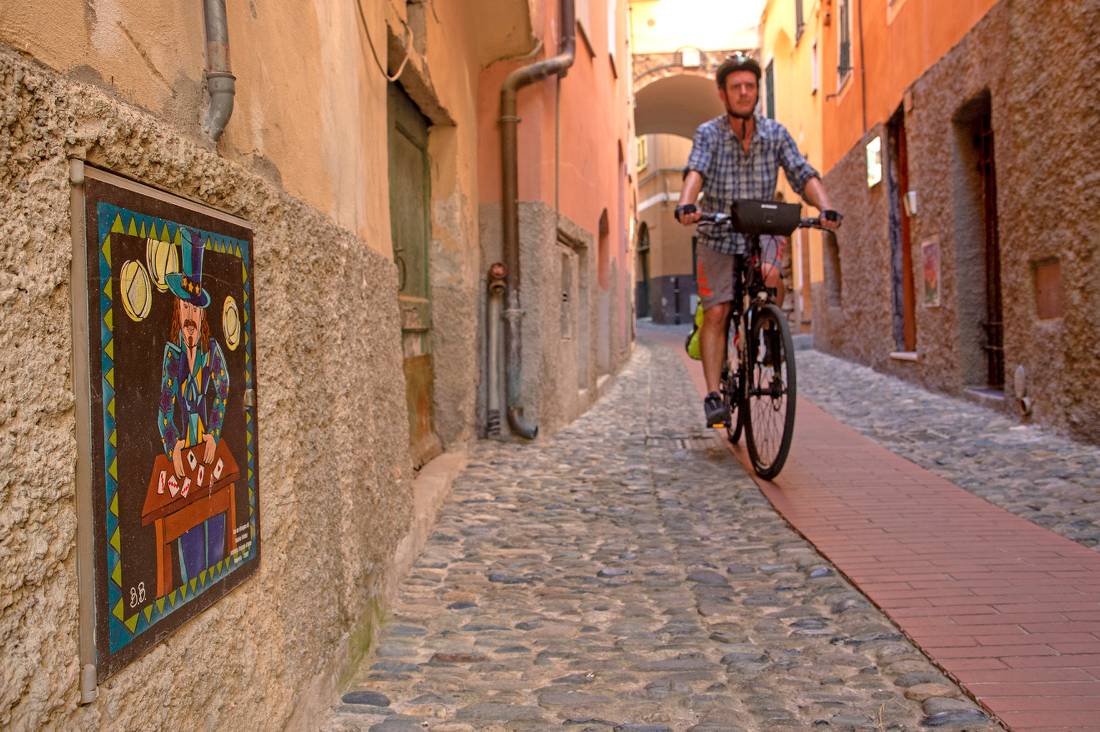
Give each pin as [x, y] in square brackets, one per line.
[737, 156]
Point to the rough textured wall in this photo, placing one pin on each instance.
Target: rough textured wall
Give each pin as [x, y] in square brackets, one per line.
[860, 328]
[334, 497]
[1047, 160]
[559, 363]
[1045, 168]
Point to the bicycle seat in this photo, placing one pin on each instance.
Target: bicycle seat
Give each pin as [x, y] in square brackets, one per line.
[757, 218]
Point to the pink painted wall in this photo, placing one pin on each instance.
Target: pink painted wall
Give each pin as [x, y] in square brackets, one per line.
[594, 124]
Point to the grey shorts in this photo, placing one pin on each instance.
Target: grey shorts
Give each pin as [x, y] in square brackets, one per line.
[714, 276]
[714, 270]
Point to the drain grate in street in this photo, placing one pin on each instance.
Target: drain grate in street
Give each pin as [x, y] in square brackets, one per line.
[681, 442]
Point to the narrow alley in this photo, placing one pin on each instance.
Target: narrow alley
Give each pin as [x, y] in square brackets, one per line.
[628, 574]
[348, 387]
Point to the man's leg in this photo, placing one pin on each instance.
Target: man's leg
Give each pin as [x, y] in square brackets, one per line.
[715, 278]
[773, 279]
[712, 342]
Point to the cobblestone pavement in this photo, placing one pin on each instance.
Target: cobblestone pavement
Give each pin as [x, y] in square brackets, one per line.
[1027, 470]
[626, 574]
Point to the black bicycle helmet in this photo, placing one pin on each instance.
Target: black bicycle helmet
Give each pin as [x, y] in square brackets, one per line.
[737, 62]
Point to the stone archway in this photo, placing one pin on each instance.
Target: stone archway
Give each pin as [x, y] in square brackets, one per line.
[673, 98]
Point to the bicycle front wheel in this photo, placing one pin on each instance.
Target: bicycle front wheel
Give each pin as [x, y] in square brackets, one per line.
[769, 421]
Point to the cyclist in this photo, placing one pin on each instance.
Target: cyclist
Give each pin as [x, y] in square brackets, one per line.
[735, 156]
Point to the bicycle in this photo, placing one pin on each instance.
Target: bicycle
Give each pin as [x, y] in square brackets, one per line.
[758, 381]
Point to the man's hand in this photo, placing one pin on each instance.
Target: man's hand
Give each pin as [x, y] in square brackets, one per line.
[208, 450]
[687, 214]
[177, 457]
[817, 196]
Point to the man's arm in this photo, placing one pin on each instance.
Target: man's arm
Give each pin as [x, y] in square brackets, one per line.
[699, 163]
[804, 178]
[689, 194]
[816, 194]
[219, 375]
[166, 412]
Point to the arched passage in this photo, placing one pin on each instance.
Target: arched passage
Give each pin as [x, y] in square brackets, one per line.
[676, 105]
[668, 110]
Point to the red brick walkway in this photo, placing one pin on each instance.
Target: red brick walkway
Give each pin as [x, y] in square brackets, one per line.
[1009, 609]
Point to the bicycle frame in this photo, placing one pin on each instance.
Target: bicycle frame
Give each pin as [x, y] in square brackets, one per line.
[758, 381]
[748, 280]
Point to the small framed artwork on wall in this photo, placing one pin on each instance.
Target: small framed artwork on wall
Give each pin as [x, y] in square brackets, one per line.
[930, 265]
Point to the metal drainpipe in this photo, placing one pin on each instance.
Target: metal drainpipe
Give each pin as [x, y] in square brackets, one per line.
[496, 294]
[220, 83]
[521, 77]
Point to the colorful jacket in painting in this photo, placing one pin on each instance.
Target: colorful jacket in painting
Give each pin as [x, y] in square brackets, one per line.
[200, 393]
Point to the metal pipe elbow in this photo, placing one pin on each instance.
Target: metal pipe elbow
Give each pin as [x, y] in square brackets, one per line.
[520, 426]
[222, 87]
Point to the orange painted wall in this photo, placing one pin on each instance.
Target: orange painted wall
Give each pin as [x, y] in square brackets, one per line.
[594, 124]
[902, 40]
[575, 137]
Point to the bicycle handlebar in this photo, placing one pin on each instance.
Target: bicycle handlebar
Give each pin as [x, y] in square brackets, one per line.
[721, 218]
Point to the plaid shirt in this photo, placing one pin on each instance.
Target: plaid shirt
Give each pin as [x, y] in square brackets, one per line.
[729, 173]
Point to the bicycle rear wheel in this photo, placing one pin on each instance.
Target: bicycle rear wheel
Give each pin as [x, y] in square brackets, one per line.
[771, 392]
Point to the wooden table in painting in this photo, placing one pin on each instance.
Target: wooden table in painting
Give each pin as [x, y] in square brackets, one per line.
[173, 511]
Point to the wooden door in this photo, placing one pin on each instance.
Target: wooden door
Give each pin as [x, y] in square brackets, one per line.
[410, 227]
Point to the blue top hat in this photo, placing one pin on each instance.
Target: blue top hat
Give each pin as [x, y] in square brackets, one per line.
[187, 285]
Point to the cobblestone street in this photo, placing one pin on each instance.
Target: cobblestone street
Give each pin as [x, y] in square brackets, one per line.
[627, 574]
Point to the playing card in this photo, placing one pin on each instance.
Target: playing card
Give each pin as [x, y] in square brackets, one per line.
[160, 483]
[218, 466]
[186, 487]
[201, 475]
[192, 460]
[173, 485]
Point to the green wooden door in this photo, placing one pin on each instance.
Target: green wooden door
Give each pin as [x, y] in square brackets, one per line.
[410, 227]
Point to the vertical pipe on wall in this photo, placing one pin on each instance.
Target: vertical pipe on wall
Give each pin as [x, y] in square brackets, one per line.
[220, 83]
[496, 294]
[509, 122]
[862, 68]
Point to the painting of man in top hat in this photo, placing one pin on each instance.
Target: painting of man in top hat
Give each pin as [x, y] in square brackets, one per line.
[194, 389]
[174, 454]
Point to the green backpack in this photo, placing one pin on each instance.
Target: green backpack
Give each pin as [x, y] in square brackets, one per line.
[691, 345]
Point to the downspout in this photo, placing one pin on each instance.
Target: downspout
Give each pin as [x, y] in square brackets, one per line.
[220, 83]
[496, 294]
[521, 77]
[862, 69]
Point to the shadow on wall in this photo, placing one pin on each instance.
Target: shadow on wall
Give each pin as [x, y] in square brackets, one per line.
[832, 270]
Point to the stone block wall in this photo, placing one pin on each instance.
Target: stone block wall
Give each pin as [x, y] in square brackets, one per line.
[1034, 63]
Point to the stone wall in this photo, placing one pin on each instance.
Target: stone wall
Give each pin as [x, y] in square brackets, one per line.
[333, 436]
[561, 335]
[1033, 62]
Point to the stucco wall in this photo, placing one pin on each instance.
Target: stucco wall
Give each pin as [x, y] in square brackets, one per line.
[334, 497]
[1044, 160]
[569, 141]
[559, 374]
[902, 41]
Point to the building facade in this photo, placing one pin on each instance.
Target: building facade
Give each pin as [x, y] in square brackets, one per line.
[665, 285]
[346, 220]
[955, 141]
[791, 93]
